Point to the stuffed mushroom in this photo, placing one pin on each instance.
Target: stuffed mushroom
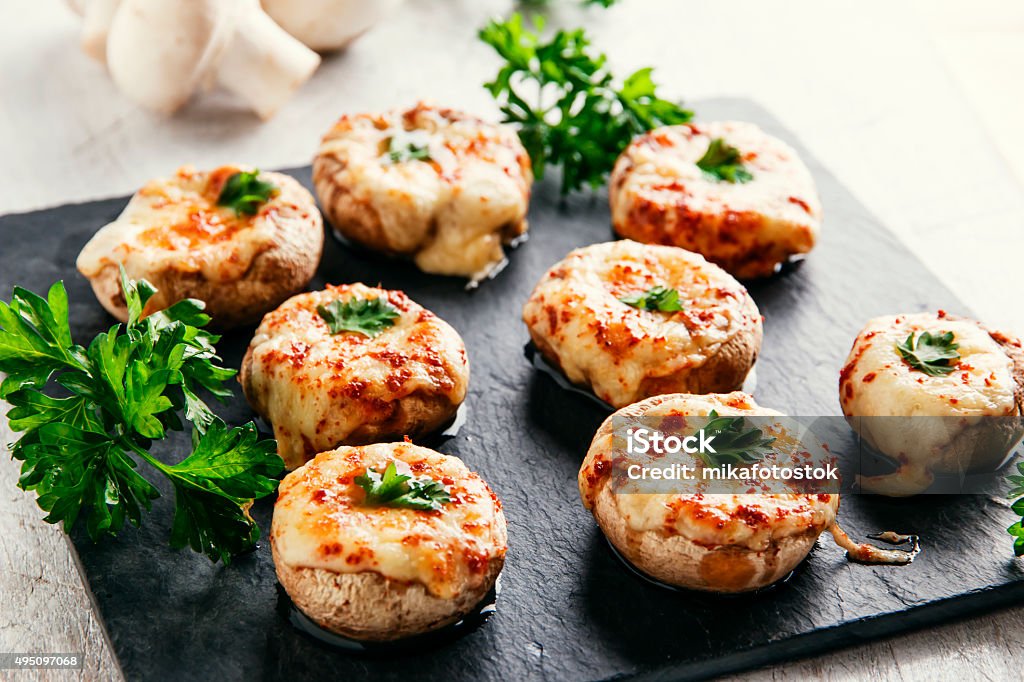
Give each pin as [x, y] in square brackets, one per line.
[351, 365]
[241, 241]
[633, 320]
[433, 184]
[727, 190]
[935, 392]
[735, 537]
[385, 541]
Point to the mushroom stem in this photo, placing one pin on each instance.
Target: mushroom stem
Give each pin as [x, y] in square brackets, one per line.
[97, 17]
[263, 64]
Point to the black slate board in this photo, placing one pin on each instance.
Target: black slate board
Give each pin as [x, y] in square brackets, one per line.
[568, 609]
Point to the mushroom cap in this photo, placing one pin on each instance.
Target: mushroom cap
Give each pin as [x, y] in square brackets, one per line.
[578, 321]
[160, 51]
[377, 572]
[320, 390]
[173, 234]
[711, 541]
[325, 25]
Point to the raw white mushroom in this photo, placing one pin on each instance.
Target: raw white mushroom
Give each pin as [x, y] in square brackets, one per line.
[160, 52]
[325, 25]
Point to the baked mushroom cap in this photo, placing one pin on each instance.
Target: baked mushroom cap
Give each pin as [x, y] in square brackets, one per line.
[659, 195]
[321, 390]
[173, 234]
[578, 322]
[437, 185]
[714, 542]
[987, 380]
[373, 572]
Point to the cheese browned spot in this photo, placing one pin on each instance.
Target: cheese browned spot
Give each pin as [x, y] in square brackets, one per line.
[625, 354]
[659, 195]
[322, 521]
[174, 234]
[320, 390]
[451, 212]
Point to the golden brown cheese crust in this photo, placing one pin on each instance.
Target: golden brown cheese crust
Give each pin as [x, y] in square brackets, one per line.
[321, 390]
[705, 541]
[173, 234]
[625, 354]
[376, 572]
[659, 195]
[451, 212]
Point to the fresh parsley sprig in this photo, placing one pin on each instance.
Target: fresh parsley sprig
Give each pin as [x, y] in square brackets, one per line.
[656, 298]
[244, 192]
[392, 489]
[568, 108]
[733, 444]
[933, 354]
[1017, 493]
[724, 162]
[366, 316]
[88, 415]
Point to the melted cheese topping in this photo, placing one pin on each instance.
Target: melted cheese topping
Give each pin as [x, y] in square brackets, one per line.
[321, 521]
[659, 195]
[451, 212]
[317, 388]
[575, 310]
[175, 224]
[747, 519]
[876, 381]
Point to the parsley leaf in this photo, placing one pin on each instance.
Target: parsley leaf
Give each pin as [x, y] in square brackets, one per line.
[724, 162]
[408, 146]
[733, 444]
[88, 415]
[392, 489]
[656, 298]
[366, 316]
[244, 192]
[931, 354]
[576, 116]
[1017, 493]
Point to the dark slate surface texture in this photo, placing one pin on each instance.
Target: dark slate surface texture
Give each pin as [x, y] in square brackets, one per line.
[568, 609]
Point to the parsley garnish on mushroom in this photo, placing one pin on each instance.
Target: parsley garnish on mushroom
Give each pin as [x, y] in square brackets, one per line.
[244, 193]
[733, 444]
[392, 489]
[724, 162]
[935, 355]
[408, 146]
[366, 316]
[656, 298]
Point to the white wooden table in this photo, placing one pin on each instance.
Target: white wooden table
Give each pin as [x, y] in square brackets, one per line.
[916, 106]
